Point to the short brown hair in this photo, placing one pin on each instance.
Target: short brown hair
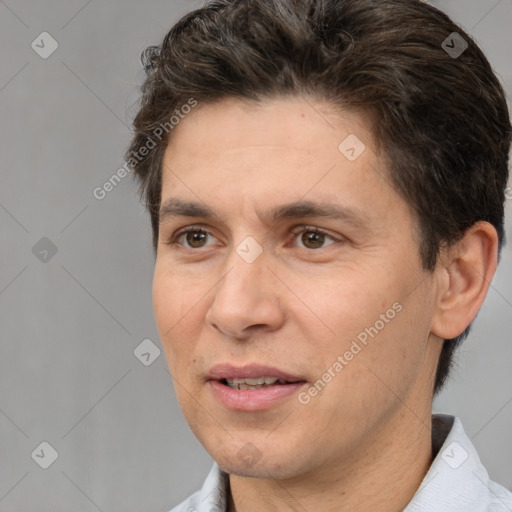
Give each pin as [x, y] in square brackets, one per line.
[441, 118]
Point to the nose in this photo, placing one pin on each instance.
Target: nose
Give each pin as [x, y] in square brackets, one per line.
[246, 301]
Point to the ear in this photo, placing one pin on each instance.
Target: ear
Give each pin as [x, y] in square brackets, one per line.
[465, 271]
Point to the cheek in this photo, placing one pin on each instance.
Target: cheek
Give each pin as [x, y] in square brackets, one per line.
[176, 307]
[173, 298]
[347, 305]
[393, 351]
[373, 319]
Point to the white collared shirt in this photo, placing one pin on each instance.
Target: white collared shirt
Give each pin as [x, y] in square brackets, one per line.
[456, 481]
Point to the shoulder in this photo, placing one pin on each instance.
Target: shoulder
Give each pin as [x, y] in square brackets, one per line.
[188, 505]
[501, 498]
[457, 479]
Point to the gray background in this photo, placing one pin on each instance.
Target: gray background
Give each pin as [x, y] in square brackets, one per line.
[69, 326]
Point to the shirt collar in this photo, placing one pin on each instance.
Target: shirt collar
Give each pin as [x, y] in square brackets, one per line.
[456, 479]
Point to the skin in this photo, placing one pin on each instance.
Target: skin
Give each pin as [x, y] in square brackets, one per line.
[364, 442]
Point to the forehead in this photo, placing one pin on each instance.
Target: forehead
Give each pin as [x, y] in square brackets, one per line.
[275, 153]
[278, 141]
[303, 123]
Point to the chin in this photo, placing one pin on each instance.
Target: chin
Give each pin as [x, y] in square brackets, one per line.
[259, 470]
[248, 461]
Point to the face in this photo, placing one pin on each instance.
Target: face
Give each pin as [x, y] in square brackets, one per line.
[299, 262]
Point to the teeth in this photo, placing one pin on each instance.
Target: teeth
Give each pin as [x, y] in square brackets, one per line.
[253, 383]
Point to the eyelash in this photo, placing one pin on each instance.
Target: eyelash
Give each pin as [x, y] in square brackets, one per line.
[199, 229]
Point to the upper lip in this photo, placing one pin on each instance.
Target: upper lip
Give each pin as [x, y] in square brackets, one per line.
[251, 371]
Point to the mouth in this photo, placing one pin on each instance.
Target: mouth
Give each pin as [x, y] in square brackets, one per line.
[251, 376]
[256, 383]
[253, 387]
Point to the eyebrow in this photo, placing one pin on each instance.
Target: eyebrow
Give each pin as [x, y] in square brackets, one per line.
[174, 207]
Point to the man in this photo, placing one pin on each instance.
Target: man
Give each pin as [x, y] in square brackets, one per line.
[326, 186]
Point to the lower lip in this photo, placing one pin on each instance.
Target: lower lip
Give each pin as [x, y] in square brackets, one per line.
[253, 399]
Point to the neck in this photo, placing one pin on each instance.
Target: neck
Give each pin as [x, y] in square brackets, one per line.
[383, 475]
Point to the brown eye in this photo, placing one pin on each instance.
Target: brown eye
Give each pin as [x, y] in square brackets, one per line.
[191, 238]
[196, 238]
[313, 238]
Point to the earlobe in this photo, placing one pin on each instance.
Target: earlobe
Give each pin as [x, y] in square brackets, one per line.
[466, 271]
